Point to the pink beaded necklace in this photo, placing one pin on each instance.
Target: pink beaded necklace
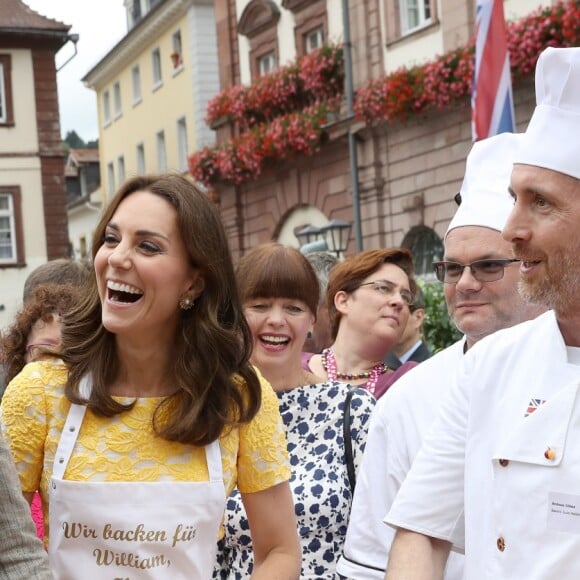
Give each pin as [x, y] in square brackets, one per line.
[329, 365]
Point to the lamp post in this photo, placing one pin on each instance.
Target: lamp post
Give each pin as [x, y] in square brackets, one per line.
[352, 150]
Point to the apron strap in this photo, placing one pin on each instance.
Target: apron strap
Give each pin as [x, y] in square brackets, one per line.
[213, 456]
[68, 438]
[71, 429]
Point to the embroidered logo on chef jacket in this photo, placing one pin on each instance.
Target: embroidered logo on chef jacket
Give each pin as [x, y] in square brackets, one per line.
[533, 405]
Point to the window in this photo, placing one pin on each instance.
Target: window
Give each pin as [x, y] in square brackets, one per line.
[136, 77]
[414, 14]
[135, 12]
[7, 229]
[6, 112]
[404, 17]
[182, 146]
[117, 99]
[140, 159]
[177, 54]
[313, 39]
[106, 108]
[266, 63]
[426, 247]
[156, 62]
[121, 169]
[259, 24]
[161, 154]
[111, 178]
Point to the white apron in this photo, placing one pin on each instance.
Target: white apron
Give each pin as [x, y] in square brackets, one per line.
[132, 530]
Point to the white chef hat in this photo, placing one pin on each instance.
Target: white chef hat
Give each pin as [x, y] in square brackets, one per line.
[551, 139]
[485, 200]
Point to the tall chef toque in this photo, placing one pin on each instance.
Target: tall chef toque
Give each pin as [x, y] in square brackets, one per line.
[556, 118]
[485, 200]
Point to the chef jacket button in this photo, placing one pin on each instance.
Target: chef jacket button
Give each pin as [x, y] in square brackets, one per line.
[71, 429]
[503, 462]
[500, 544]
[550, 454]
[61, 460]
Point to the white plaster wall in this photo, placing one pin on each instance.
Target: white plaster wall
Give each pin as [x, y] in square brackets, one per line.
[334, 15]
[204, 68]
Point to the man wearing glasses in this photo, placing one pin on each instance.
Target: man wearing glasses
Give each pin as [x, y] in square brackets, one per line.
[480, 280]
[498, 475]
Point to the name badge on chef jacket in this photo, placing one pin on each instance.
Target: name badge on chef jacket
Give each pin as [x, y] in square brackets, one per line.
[564, 512]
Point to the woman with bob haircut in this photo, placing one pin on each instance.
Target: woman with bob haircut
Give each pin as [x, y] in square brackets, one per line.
[280, 296]
[138, 435]
[368, 299]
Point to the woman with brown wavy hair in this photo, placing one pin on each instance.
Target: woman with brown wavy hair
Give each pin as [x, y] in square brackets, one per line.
[368, 299]
[154, 413]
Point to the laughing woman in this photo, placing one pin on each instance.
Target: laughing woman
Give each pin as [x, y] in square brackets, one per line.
[280, 295]
[137, 436]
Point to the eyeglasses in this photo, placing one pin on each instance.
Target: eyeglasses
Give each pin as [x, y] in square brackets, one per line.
[481, 270]
[388, 289]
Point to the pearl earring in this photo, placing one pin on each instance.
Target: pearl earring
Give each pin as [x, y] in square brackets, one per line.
[186, 303]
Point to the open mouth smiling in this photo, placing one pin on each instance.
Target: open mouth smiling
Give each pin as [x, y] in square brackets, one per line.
[123, 293]
[274, 340]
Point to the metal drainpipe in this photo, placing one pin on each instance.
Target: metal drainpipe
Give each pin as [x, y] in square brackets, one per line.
[352, 150]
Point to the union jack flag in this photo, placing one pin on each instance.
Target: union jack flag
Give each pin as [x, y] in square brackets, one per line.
[492, 105]
[533, 405]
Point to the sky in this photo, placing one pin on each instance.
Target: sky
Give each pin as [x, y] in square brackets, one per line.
[100, 25]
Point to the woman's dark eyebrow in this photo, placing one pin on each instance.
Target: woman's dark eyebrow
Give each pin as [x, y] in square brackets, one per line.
[140, 233]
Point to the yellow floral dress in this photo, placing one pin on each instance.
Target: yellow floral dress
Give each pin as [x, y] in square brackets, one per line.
[124, 447]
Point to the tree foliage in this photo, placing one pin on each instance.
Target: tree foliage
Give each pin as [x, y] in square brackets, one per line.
[439, 329]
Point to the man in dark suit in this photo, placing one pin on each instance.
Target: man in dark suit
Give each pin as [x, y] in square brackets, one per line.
[411, 346]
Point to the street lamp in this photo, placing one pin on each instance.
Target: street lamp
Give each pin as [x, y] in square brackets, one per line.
[337, 234]
[308, 234]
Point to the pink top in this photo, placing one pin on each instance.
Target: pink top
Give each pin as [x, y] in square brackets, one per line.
[36, 512]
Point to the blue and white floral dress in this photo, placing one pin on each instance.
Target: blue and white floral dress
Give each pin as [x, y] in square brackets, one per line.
[313, 415]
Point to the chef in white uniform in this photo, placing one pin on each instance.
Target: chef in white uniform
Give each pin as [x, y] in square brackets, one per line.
[481, 300]
[499, 474]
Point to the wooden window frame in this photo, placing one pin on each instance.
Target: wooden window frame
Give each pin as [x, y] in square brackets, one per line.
[15, 193]
[6, 71]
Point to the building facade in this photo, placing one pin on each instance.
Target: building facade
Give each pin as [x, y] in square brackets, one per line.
[33, 220]
[408, 171]
[153, 87]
